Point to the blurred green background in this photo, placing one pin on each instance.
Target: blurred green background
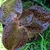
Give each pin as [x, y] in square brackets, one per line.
[1, 45]
[1, 2]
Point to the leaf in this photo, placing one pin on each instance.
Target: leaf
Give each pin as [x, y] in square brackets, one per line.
[12, 9]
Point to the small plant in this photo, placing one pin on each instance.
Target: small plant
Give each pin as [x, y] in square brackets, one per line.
[39, 44]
